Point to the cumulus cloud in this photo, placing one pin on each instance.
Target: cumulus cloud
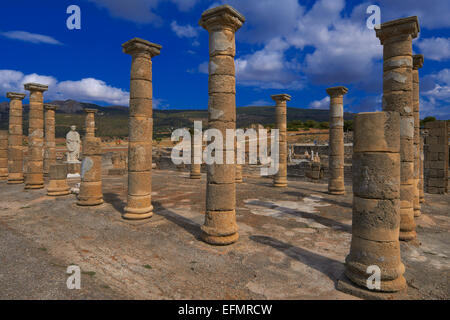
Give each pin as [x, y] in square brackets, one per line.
[89, 89]
[435, 97]
[320, 104]
[30, 37]
[187, 31]
[435, 48]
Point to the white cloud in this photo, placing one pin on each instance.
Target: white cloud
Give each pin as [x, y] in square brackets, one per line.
[260, 103]
[436, 96]
[187, 31]
[320, 104]
[435, 48]
[89, 89]
[30, 37]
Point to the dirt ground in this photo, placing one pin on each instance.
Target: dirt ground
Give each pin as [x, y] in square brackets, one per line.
[292, 245]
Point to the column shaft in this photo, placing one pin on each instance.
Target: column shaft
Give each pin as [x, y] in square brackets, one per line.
[34, 178]
[91, 173]
[50, 144]
[417, 63]
[90, 122]
[3, 155]
[280, 178]
[196, 159]
[222, 22]
[336, 141]
[396, 38]
[139, 204]
[15, 140]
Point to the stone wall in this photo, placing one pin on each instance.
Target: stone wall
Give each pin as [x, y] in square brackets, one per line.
[436, 155]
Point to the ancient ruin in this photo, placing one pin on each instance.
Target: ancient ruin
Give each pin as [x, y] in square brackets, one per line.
[34, 178]
[90, 122]
[91, 173]
[3, 155]
[15, 140]
[222, 22]
[436, 157]
[57, 182]
[396, 37]
[280, 179]
[50, 145]
[376, 202]
[417, 64]
[336, 142]
[139, 204]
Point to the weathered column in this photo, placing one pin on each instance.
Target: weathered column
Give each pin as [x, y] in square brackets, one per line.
[50, 145]
[280, 178]
[421, 183]
[417, 64]
[222, 22]
[15, 140]
[336, 141]
[91, 173]
[57, 184]
[376, 204]
[436, 157]
[90, 122]
[196, 157]
[396, 37]
[238, 168]
[140, 125]
[34, 178]
[3, 155]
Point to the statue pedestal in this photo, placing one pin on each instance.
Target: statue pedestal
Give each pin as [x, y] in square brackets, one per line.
[73, 167]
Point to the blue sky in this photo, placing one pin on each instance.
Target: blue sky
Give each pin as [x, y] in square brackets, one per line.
[299, 47]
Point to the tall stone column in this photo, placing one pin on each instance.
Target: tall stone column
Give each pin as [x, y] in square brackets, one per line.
[376, 201]
[91, 173]
[421, 183]
[140, 125]
[280, 178]
[15, 140]
[196, 157]
[90, 122]
[222, 22]
[34, 178]
[396, 37]
[3, 155]
[336, 144]
[50, 144]
[417, 64]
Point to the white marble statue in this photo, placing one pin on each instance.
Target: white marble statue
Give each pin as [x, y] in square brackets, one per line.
[73, 143]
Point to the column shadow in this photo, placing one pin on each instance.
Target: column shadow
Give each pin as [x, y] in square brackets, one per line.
[114, 200]
[330, 201]
[190, 226]
[329, 267]
[302, 214]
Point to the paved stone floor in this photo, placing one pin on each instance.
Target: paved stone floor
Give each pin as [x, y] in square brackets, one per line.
[292, 245]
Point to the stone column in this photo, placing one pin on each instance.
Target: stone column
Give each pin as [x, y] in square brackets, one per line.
[50, 145]
[238, 168]
[222, 22]
[15, 140]
[196, 158]
[90, 122]
[436, 157]
[280, 178]
[3, 155]
[376, 201]
[336, 141]
[57, 185]
[91, 173]
[417, 64]
[140, 125]
[421, 183]
[34, 178]
[396, 37]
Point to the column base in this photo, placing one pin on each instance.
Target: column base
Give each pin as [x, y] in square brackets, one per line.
[58, 192]
[137, 213]
[89, 202]
[337, 192]
[34, 186]
[15, 181]
[195, 176]
[348, 287]
[407, 235]
[219, 240]
[238, 181]
[280, 185]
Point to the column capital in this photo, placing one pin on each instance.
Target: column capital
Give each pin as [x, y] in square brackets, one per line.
[35, 87]
[138, 45]
[337, 91]
[404, 26]
[417, 61]
[15, 95]
[281, 97]
[50, 106]
[88, 110]
[222, 16]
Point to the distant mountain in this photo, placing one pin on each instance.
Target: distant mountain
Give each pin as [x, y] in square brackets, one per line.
[113, 120]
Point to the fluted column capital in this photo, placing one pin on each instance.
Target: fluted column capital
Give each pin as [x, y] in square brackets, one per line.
[222, 17]
[281, 97]
[53, 107]
[337, 91]
[15, 95]
[400, 27]
[35, 87]
[138, 46]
